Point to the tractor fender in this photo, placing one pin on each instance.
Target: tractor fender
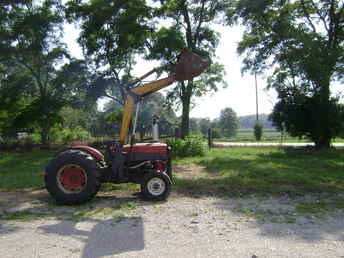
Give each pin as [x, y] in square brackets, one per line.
[97, 155]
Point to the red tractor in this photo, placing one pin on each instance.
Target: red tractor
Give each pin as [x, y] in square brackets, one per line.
[74, 176]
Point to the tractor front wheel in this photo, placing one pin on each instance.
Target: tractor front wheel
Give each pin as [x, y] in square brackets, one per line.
[72, 177]
[156, 186]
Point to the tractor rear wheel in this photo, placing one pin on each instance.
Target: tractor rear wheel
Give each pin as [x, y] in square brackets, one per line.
[72, 177]
[156, 186]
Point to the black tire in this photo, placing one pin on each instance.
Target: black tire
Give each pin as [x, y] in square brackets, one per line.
[156, 186]
[80, 161]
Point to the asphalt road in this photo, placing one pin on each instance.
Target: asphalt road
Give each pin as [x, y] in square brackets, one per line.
[268, 144]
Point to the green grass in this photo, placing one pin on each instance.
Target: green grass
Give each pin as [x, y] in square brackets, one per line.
[237, 171]
[23, 169]
[241, 171]
[321, 206]
[22, 216]
[109, 187]
[91, 210]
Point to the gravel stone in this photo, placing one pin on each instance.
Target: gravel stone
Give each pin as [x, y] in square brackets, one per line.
[180, 227]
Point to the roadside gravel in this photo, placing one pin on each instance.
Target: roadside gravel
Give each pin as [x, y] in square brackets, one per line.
[31, 225]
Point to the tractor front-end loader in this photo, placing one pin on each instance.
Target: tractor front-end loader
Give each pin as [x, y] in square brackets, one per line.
[74, 176]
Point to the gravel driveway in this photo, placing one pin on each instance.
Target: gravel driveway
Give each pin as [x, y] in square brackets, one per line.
[124, 226]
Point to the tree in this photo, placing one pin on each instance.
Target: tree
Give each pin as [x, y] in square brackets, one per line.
[189, 28]
[303, 41]
[194, 124]
[39, 77]
[11, 103]
[73, 118]
[228, 122]
[155, 105]
[297, 113]
[341, 110]
[112, 33]
[204, 125]
[249, 121]
[30, 40]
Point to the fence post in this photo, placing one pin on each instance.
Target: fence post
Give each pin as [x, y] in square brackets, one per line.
[210, 138]
[177, 133]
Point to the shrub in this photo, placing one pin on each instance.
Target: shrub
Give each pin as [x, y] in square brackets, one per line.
[189, 147]
[258, 131]
[67, 135]
[34, 138]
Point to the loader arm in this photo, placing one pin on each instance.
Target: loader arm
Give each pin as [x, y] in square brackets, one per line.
[189, 66]
[140, 91]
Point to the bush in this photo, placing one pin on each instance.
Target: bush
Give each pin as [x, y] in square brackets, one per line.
[258, 131]
[189, 147]
[34, 138]
[67, 135]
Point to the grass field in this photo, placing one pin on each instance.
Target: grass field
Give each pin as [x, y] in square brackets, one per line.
[232, 170]
[23, 170]
[267, 171]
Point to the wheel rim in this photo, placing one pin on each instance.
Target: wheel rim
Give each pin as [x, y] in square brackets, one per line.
[71, 178]
[156, 186]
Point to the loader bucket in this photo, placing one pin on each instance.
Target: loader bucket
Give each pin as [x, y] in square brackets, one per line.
[189, 66]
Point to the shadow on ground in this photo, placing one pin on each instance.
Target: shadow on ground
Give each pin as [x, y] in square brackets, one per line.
[36, 205]
[102, 237]
[106, 225]
[296, 193]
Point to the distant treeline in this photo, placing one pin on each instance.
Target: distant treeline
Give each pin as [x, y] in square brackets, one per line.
[250, 120]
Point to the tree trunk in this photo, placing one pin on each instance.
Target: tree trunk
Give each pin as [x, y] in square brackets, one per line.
[323, 136]
[186, 100]
[185, 117]
[45, 135]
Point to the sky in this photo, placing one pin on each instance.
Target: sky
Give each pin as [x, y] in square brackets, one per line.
[240, 93]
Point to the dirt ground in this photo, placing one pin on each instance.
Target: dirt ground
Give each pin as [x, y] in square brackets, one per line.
[112, 225]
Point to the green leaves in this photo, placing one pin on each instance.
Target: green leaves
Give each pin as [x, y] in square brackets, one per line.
[189, 27]
[303, 41]
[166, 43]
[35, 83]
[112, 33]
[111, 29]
[228, 122]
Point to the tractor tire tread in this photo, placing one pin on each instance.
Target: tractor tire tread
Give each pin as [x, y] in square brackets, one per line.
[81, 158]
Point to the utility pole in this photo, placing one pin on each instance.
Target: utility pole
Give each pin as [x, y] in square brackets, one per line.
[255, 79]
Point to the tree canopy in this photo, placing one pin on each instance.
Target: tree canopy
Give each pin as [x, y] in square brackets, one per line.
[303, 42]
[113, 32]
[36, 74]
[228, 122]
[189, 26]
